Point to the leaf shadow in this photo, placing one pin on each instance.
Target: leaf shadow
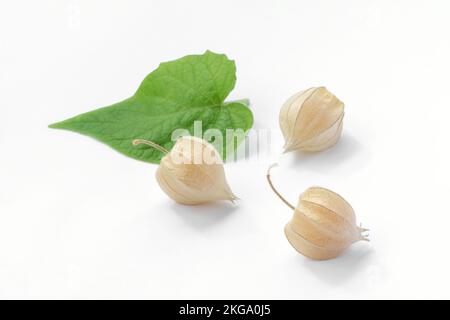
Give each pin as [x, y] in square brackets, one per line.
[204, 216]
[330, 159]
[341, 269]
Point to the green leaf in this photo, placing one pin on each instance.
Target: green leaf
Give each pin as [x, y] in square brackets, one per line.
[174, 96]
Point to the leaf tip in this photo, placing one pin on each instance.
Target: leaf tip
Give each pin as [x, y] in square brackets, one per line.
[211, 52]
[58, 125]
[55, 125]
[223, 55]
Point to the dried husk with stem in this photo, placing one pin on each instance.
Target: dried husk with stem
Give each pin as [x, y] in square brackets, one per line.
[323, 224]
[192, 172]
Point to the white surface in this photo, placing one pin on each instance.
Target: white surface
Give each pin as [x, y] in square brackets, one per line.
[78, 220]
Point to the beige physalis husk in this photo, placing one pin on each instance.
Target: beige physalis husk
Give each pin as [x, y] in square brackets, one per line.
[192, 172]
[323, 225]
[311, 120]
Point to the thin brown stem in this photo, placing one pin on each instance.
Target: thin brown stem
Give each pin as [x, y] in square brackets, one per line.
[275, 190]
[151, 144]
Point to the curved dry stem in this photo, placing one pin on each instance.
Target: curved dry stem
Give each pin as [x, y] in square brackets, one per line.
[275, 190]
[151, 144]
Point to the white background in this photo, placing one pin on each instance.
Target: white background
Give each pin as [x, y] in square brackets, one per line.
[79, 220]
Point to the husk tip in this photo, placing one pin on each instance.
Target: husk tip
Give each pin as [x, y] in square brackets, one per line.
[234, 199]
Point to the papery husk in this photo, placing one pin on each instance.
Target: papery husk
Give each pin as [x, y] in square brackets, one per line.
[311, 120]
[193, 173]
[323, 225]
